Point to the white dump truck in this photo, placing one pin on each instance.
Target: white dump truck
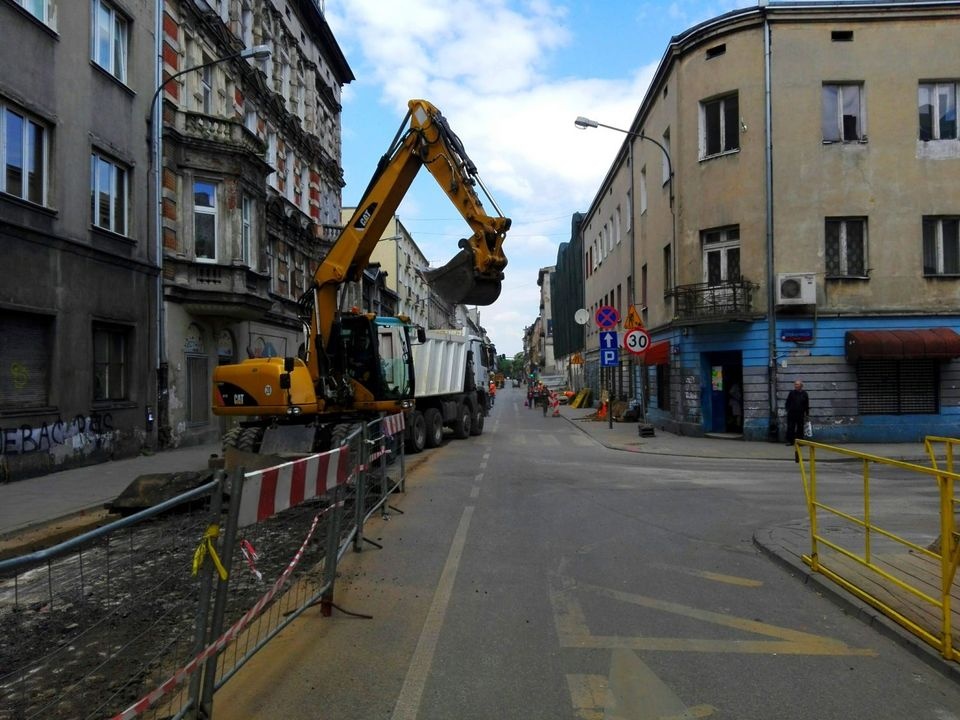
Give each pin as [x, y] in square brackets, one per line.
[451, 387]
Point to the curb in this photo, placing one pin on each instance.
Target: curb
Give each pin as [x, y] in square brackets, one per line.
[862, 611]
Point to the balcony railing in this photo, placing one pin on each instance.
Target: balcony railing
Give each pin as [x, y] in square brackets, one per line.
[232, 291]
[218, 130]
[705, 302]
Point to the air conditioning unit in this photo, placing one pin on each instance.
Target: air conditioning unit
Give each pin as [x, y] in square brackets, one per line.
[796, 289]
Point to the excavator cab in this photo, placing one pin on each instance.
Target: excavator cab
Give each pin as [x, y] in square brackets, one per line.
[374, 353]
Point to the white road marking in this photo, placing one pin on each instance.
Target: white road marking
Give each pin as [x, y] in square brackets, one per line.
[408, 704]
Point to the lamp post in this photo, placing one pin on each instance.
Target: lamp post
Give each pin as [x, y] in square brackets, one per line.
[585, 123]
[155, 122]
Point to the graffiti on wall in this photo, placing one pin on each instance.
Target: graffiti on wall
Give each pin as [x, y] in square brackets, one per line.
[81, 432]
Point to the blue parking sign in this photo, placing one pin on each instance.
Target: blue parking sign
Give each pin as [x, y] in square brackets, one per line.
[609, 357]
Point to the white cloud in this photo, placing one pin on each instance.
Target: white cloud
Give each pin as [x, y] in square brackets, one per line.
[483, 64]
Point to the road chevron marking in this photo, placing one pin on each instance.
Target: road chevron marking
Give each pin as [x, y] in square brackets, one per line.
[573, 630]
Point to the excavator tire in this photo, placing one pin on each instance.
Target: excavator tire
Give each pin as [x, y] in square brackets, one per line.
[231, 437]
[434, 422]
[417, 436]
[249, 440]
[461, 424]
[476, 425]
[338, 437]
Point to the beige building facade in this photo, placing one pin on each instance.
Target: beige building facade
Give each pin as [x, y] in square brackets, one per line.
[784, 206]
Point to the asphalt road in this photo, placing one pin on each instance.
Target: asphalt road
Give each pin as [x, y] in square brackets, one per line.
[536, 574]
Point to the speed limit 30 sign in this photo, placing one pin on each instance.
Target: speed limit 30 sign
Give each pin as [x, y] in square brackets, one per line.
[636, 341]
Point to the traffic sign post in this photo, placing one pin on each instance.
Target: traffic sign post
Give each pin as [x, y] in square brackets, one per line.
[609, 349]
[607, 316]
[609, 358]
[633, 321]
[636, 341]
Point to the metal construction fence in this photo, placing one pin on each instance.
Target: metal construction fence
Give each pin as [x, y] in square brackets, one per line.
[150, 615]
[890, 539]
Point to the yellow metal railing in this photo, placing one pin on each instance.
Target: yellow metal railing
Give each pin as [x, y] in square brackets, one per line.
[946, 556]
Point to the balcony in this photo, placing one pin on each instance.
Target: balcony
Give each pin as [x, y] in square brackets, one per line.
[225, 133]
[722, 302]
[232, 292]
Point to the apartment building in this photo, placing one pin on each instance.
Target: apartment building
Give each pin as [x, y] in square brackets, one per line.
[78, 288]
[171, 181]
[784, 207]
[250, 188]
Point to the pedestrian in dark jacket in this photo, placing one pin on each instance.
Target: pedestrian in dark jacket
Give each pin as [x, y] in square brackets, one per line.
[798, 408]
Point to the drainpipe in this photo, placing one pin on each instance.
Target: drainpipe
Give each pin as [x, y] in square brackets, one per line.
[156, 159]
[773, 424]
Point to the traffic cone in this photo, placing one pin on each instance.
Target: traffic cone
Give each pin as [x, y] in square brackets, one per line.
[603, 410]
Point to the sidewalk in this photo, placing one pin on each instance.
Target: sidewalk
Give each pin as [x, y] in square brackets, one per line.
[79, 494]
[787, 543]
[625, 436]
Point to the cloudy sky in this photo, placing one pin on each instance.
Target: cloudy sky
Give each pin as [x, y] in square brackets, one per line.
[510, 76]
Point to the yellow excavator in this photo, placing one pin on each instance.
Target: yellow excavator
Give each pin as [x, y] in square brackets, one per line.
[355, 365]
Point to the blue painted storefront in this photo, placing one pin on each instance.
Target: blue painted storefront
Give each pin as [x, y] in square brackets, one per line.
[814, 351]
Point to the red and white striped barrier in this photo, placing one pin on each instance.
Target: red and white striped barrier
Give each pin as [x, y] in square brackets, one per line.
[393, 424]
[267, 492]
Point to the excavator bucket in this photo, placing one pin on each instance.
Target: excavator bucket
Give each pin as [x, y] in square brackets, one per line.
[459, 281]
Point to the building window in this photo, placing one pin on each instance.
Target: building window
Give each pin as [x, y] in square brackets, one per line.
[23, 155]
[941, 246]
[843, 114]
[938, 111]
[109, 39]
[25, 355]
[667, 270]
[198, 390]
[205, 220]
[42, 10]
[846, 247]
[721, 255]
[663, 387]
[109, 363]
[246, 230]
[643, 286]
[109, 190]
[719, 126]
[665, 160]
[643, 189]
[272, 157]
[206, 88]
[898, 387]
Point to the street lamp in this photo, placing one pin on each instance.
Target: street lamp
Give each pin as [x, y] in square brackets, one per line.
[154, 122]
[585, 123]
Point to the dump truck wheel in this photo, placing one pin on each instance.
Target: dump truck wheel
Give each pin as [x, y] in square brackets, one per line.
[417, 438]
[476, 426]
[434, 422]
[461, 424]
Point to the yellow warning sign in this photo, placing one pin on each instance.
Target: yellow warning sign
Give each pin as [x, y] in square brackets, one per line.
[633, 321]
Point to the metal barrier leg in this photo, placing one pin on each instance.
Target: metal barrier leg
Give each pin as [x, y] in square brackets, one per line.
[203, 604]
[223, 588]
[330, 560]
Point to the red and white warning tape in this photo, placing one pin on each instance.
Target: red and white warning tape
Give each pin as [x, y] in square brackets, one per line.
[175, 680]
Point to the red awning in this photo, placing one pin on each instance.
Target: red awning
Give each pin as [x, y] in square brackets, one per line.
[930, 344]
[657, 354]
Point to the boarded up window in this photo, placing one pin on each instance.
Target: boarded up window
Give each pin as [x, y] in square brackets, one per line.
[898, 387]
[25, 360]
[198, 389]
